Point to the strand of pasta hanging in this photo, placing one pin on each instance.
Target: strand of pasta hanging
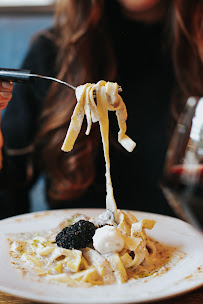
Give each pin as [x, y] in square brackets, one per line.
[107, 99]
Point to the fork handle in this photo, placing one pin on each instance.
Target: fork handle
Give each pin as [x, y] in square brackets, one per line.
[15, 75]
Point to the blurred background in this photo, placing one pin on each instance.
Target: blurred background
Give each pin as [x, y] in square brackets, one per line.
[19, 21]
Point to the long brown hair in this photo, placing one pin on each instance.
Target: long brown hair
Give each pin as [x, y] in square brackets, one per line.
[81, 57]
[83, 47]
[187, 51]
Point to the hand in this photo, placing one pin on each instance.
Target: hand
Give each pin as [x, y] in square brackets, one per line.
[5, 93]
[5, 96]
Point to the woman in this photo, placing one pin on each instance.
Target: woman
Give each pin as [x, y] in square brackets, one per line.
[153, 49]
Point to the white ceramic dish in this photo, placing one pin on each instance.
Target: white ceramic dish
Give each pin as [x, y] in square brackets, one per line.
[185, 274]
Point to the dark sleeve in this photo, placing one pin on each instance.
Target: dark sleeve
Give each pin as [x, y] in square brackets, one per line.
[20, 122]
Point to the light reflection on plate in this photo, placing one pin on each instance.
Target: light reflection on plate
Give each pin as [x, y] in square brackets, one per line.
[185, 273]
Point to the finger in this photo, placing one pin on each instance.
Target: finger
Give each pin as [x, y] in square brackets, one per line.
[5, 97]
[6, 86]
[4, 104]
[5, 93]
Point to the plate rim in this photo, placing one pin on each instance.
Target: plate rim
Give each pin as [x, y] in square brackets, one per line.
[43, 299]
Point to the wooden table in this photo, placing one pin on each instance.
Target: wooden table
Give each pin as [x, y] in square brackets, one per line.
[194, 297]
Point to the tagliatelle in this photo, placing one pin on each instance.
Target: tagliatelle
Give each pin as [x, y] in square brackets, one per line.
[120, 249]
[107, 99]
[38, 256]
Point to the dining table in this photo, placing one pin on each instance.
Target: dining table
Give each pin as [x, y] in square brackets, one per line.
[192, 297]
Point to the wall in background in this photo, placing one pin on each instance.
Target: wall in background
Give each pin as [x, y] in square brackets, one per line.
[15, 36]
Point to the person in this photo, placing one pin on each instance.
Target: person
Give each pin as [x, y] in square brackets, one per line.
[153, 50]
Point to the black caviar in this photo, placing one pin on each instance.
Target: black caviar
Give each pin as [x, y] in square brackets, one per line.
[76, 236]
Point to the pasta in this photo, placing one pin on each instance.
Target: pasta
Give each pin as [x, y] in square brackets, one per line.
[39, 256]
[107, 99]
[120, 249]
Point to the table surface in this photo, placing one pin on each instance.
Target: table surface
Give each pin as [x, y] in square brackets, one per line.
[194, 297]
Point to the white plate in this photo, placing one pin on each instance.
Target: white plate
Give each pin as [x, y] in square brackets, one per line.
[184, 275]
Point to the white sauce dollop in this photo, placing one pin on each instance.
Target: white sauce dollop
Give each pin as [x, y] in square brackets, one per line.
[108, 240]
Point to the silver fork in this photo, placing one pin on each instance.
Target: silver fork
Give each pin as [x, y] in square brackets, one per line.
[19, 75]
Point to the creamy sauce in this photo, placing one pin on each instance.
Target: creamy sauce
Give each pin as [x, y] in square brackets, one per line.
[38, 257]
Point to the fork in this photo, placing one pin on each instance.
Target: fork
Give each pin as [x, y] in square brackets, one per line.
[19, 75]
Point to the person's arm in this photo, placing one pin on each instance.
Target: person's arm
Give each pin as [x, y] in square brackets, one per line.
[18, 127]
[20, 124]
